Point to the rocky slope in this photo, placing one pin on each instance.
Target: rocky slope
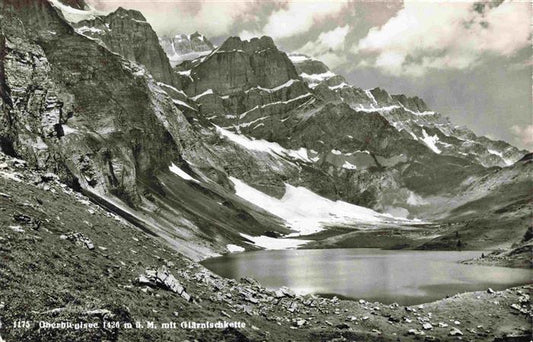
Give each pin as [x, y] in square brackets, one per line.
[65, 259]
[183, 47]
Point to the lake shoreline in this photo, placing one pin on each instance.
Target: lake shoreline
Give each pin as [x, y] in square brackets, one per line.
[404, 276]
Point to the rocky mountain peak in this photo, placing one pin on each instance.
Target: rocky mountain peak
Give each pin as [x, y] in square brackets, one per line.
[184, 47]
[253, 45]
[121, 12]
[381, 95]
[127, 33]
[76, 4]
[414, 103]
[307, 65]
[241, 64]
[199, 36]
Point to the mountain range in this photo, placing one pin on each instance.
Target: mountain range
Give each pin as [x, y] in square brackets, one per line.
[97, 101]
[170, 150]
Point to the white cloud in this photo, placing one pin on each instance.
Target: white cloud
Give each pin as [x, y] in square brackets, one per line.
[215, 18]
[333, 39]
[297, 17]
[332, 59]
[524, 136]
[445, 35]
[328, 47]
[247, 35]
[169, 17]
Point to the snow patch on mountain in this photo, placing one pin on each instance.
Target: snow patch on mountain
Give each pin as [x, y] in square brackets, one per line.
[185, 47]
[181, 103]
[361, 108]
[74, 15]
[67, 130]
[339, 86]
[314, 79]
[271, 90]
[417, 113]
[349, 166]
[431, 141]
[242, 115]
[499, 154]
[207, 92]
[273, 243]
[85, 29]
[178, 59]
[271, 148]
[306, 212]
[371, 96]
[176, 170]
[234, 248]
[297, 58]
[161, 84]
[415, 200]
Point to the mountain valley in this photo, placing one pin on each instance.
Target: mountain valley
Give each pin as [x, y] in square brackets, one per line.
[128, 155]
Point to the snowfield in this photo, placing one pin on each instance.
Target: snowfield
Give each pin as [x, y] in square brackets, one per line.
[431, 141]
[75, 15]
[314, 79]
[176, 170]
[306, 212]
[234, 248]
[271, 148]
[273, 243]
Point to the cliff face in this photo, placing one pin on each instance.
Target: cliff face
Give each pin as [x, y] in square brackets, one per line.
[104, 126]
[237, 65]
[127, 33]
[76, 109]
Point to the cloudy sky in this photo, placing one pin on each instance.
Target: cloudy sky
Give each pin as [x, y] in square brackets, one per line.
[470, 61]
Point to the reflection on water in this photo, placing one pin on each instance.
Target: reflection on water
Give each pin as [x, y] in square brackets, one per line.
[404, 277]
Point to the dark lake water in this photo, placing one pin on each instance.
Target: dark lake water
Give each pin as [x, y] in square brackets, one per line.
[404, 277]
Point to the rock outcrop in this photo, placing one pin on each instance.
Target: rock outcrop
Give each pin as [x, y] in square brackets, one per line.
[127, 33]
[238, 65]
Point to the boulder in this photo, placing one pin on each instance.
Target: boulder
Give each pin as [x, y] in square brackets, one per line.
[427, 326]
[79, 239]
[287, 292]
[456, 332]
[415, 332]
[300, 322]
[163, 279]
